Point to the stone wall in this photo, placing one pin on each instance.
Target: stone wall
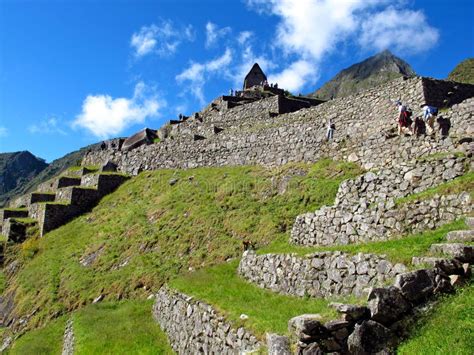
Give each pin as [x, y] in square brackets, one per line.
[194, 327]
[323, 274]
[364, 133]
[329, 226]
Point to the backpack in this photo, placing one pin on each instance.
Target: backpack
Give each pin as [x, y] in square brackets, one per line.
[333, 126]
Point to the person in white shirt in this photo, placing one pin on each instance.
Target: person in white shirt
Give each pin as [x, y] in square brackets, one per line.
[429, 115]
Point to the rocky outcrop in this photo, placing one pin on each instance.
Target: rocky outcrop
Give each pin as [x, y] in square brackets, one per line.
[68, 339]
[195, 327]
[323, 274]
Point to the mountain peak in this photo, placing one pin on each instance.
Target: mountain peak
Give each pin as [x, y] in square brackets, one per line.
[373, 71]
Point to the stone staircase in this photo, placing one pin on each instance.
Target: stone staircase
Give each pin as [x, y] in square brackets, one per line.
[58, 201]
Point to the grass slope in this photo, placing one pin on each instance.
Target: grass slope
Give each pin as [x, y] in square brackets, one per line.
[448, 329]
[268, 311]
[109, 328]
[149, 231]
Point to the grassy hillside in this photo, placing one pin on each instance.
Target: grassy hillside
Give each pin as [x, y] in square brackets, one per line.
[149, 231]
[464, 72]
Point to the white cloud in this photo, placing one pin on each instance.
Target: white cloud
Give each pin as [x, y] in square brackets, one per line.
[162, 39]
[295, 75]
[48, 126]
[213, 33]
[244, 36]
[105, 116]
[3, 131]
[309, 30]
[402, 30]
[197, 74]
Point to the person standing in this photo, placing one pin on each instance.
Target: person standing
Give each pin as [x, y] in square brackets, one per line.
[330, 130]
[429, 115]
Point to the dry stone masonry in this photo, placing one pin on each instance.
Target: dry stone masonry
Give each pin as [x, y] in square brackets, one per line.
[323, 274]
[194, 327]
[253, 135]
[365, 207]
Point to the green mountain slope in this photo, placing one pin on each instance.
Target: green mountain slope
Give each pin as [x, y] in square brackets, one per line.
[16, 170]
[371, 72]
[464, 72]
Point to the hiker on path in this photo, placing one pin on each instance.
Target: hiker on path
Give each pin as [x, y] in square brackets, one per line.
[404, 119]
[330, 131]
[429, 115]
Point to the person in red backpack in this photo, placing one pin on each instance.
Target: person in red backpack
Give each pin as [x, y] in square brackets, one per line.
[404, 119]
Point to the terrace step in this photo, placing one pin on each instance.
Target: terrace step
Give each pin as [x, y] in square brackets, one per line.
[82, 197]
[37, 197]
[461, 236]
[462, 252]
[425, 260]
[15, 229]
[13, 213]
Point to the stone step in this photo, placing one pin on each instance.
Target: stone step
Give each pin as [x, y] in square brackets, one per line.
[66, 181]
[470, 222]
[425, 260]
[13, 213]
[82, 197]
[461, 236]
[15, 230]
[462, 252]
[37, 197]
[105, 183]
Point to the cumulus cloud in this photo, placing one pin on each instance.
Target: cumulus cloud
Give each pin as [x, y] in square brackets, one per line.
[162, 39]
[402, 30]
[213, 33]
[48, 126]
[244, 36]
[3, 131]
[105, 116]
[309, 30]
[197, 74]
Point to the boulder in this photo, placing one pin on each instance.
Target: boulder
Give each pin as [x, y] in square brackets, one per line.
[416, 285]
[312, 349]
[145, 136]
[450, 266]
[369, 337]
[278, 345]
[352, 313]
[387, 305]
[462, 252]
[308, 327]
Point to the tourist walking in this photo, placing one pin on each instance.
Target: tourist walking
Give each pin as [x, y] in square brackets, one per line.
[330, 131]
[429, 115]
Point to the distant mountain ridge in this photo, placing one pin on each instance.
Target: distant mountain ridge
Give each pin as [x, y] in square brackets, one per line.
[16, 170]
[373, 71]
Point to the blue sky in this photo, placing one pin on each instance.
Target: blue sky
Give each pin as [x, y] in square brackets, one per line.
[76, 72]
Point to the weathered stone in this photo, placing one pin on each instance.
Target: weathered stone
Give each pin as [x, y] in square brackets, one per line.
[462, 252]
[312, 349]
[278, 345]
[387, 305]
[417, 285]
[450, 266]
[369, 337]
[308, 327]
[352, 312]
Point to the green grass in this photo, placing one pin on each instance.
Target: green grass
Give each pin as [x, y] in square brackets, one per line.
[441, 155]
[448, 329]
[25, 220]
[16, 209]
[398, 250]
[268, 311]
[125, 327]
[162, 230]
[46, 340]
[156, 140]
[119, 328]
[455, 186]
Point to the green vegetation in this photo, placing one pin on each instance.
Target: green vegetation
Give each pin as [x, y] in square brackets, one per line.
[448, 329]
[108, 328]
[464, 72]
[148, 231]
[119, 328]
[156, 140]
[455, 186]
[398, 250]
[268, 311]
[22, 209]
[46, 340]
[442, 155]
